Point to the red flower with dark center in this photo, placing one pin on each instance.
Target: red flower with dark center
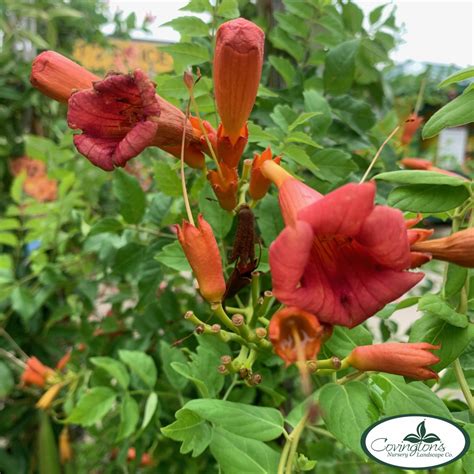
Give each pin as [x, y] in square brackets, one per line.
[118, 118]
[295, 334]
[407, 359]
[340, 256]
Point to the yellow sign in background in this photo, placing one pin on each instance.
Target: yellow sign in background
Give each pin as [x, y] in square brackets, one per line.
[123, 56]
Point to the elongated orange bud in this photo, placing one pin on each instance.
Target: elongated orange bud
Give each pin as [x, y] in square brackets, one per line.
[237, 70]
[458, 248]
[57, 76]
[48, 397]
[412, 124]
[65, 449]
[258, 183]
[407, 359]
[201, 250]
[225, 186]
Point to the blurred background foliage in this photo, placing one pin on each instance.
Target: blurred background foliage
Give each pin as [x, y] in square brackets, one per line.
[98, 269]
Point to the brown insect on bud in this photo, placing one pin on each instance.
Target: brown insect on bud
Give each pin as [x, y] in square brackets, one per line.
[243, 252]
[261, 332]
[238, 320]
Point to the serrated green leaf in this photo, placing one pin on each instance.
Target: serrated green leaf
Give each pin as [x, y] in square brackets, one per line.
[130, 195]
[129, 414]
[344, 340]
[284, 67]
[302, 119]
[189, 26]
[435, 305]
[347, 411]
[172, 256]
[260, 423]
[92, 407]
[192, 430]
[169, 355]
[401, 398]
[340, 67]
[150, 408]
[187, 54]
[237, 454]
[228, 9]
[333, 165]
[167, 179]
[299, 156]
[115, 368]
[141, 364]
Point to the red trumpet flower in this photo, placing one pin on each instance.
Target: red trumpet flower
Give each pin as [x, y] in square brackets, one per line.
[426, 165]
[407, 359]
[412, 124]
[340, 256]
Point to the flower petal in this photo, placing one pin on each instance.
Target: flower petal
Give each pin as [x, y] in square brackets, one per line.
[342, 211]
[288, 256]
[384, 235]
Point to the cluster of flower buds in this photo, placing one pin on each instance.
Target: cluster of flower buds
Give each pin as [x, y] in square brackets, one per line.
[42, 376]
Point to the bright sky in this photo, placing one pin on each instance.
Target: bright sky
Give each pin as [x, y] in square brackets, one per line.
[438, 31]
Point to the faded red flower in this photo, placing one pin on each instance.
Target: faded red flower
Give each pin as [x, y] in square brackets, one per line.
[237, 70]
[57, 76]
[340, 256]
[29, 165]
[258, 183]
[201, 250]
[412, 124]
[225, 186]
[407, 359]
[295, 334]
[426, 165]
[41, 188]
[118, 118]
[457, 248]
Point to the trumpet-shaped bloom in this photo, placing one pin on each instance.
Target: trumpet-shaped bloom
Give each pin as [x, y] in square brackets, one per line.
[201, 250]
[407, 359]
[258, 183]
[340, 256]
[457, 248]
[58, 77]
[295, 334]
[36, 373]
[225, 186]
[237, 70]
[118, 118]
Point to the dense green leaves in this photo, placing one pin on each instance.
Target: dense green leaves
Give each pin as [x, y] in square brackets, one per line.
[172, 256]
[437, 307]
[420, 177]
[115, 368]
[344, 340]
[129, 414]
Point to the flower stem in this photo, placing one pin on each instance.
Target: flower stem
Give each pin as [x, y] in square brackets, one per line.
[289, 450]
[183, 179]
[372, 163]
[461, 378]
[219, 311]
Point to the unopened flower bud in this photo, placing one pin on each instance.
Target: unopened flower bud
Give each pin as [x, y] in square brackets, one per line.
[215, 328]
[199, 329]
[261, 332]
[255, 379]
[222, 369]
[226, 359]
[243, 373]
[238, 320]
